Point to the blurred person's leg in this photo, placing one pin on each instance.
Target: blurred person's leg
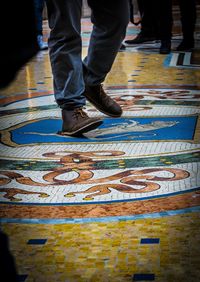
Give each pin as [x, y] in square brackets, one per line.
[7, 261]
[39, 7]
[19, 38]
[147, 32]
[165, 22]
[188, 20]
[148, 19]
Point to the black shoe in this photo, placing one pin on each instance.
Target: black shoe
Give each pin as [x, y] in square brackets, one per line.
[96, 96]
[185, 46]
[165, 47]
[122, 47]
[76, 122]
[141, 38]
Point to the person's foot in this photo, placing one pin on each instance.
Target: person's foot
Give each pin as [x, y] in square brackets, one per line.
[122, 47]
[141, 38]
[76, 122]
[97, 96]
[165, 47]
[185, 46]
[42, 45]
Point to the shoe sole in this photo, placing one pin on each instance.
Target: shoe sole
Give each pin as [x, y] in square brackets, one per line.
[83, 129]
[185, 50]
[145, 42]
[101, 110]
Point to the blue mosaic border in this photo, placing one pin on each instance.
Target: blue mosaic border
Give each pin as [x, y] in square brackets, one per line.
[97, 219]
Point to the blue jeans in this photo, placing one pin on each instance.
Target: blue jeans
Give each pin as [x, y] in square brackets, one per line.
[70, 73]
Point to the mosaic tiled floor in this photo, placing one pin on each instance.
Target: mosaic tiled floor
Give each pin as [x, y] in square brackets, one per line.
[121, 203]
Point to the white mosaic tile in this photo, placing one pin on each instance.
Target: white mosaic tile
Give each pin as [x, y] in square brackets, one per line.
[156, 94]
[128, 149]
[31, 102]
[58, 193]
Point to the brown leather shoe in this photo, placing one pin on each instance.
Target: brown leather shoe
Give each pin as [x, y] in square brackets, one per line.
[76, 122]
[96, 96]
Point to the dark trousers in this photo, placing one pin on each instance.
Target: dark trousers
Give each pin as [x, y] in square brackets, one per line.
[156, 18]
[188, 18]
[39, 6]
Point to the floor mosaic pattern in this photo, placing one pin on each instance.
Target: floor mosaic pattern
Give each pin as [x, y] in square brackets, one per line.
[122, 202]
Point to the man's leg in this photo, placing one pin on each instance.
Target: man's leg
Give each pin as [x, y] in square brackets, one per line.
[148, 26]
[66, 62]
[110, 19]
[39, 6]
[65, 51]
[188, 20]
[149, 22]
[165, 24]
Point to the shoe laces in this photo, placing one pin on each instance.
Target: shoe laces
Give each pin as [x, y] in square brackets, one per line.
[78, 112]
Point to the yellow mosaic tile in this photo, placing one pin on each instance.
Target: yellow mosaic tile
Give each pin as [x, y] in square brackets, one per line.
[84, 252]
